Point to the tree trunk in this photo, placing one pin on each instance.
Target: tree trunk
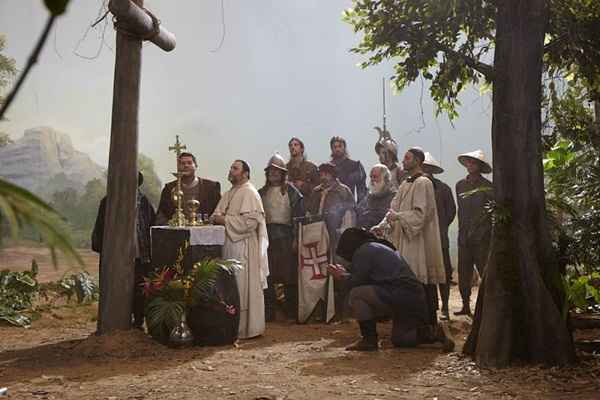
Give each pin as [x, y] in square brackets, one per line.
[117, 258]
[518, 312]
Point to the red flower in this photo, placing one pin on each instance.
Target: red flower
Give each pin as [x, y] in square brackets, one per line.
[230, 309]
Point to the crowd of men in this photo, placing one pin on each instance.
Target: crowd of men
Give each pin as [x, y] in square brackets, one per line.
[388, 241]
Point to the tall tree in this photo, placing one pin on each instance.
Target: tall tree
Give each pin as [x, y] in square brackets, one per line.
[451, 43]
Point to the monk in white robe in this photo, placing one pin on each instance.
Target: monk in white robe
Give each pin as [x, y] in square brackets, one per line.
[241, 211]
[412, 226]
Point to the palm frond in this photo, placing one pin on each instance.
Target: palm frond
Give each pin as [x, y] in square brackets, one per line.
[21, 208]
[162, 315]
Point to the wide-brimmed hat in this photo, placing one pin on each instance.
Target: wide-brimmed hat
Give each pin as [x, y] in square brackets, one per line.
[477, 155]
[276, 161]
[328, 167]
[431, 164]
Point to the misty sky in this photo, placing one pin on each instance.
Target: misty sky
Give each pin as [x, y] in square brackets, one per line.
[283, 70]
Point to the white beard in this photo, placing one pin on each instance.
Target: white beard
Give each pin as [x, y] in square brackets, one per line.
[377, 188]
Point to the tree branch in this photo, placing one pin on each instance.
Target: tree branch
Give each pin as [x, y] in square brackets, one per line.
[555, 42]
[484, 69]
[32, 60]
[481, 67]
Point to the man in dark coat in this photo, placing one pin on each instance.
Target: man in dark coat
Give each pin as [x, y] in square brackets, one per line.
[207, 192]
[145, 219]
[474, 223]
[375, 205]
[301, 173]
[382, 285]
[351, 173]
[446, 208]
[331, 199]
[282, 203]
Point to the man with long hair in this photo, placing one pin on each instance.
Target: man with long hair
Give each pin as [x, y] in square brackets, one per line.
[350, 172]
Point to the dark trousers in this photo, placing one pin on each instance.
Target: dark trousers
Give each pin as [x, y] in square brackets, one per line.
[469, 255]
[407, 327]
[142, 270]
[445, 288]
[290, 293]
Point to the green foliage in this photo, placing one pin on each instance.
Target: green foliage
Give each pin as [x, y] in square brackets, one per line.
[572, 172]
[170, 291]
[7, 67]
[162, 315]
[450, 43]
[81, 285]
[444, 42]
[573, 49]
[7, 72]
[582, 292]
[17, 292]
[21, 208]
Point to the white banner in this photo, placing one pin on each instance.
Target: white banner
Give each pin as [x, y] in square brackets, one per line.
[314, 283]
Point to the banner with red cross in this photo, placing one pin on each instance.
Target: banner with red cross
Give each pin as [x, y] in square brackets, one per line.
[314, 283]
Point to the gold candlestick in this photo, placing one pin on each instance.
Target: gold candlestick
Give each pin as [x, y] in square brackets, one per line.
[178, 218]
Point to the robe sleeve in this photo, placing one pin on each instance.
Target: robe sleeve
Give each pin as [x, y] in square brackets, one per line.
[412, 221]
[240, 227]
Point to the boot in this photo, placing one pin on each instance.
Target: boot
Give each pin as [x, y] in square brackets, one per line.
[445, 295]
[435, 334]
[465, 310]
[291, 302]
[444, 339]
[369, 341]
[270, 300]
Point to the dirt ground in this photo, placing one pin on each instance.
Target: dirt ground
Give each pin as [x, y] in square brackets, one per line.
[61, 358]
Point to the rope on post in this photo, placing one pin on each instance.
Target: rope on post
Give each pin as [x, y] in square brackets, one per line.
[149, 36]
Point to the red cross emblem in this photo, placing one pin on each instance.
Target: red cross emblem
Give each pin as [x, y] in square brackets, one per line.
[315, 261]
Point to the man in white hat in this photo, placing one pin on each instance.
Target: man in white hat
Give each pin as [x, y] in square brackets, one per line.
[446, 208]
[474, 224]
[412, 226]
[282, 202]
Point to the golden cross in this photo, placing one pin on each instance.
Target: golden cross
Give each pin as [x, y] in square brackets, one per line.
[177, 147]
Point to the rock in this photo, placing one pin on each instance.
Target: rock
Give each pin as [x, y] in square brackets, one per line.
[44, 161]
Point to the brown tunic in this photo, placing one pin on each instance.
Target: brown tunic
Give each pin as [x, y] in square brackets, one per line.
[207, 192]
[305, 172]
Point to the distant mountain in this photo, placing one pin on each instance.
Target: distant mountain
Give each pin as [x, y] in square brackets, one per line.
[44, 161]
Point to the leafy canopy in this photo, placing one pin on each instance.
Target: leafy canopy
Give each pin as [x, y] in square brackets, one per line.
[450, 43]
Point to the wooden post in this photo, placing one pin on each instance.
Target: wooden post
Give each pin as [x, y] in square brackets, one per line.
[118, 252]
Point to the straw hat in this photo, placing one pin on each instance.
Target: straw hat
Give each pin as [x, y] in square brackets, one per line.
[477, 155]
[431, 164]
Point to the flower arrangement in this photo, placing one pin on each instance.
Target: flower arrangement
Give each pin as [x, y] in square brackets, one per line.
[171, 292]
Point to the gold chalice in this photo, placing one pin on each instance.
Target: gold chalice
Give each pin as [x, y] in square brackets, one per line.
[193, 206]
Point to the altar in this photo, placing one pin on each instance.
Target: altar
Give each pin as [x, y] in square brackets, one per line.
[215, 322]
[205, 241]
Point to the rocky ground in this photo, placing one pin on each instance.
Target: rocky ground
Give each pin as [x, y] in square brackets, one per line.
[61, 358]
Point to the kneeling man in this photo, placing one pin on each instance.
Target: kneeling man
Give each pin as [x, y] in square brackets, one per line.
[383, 286]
